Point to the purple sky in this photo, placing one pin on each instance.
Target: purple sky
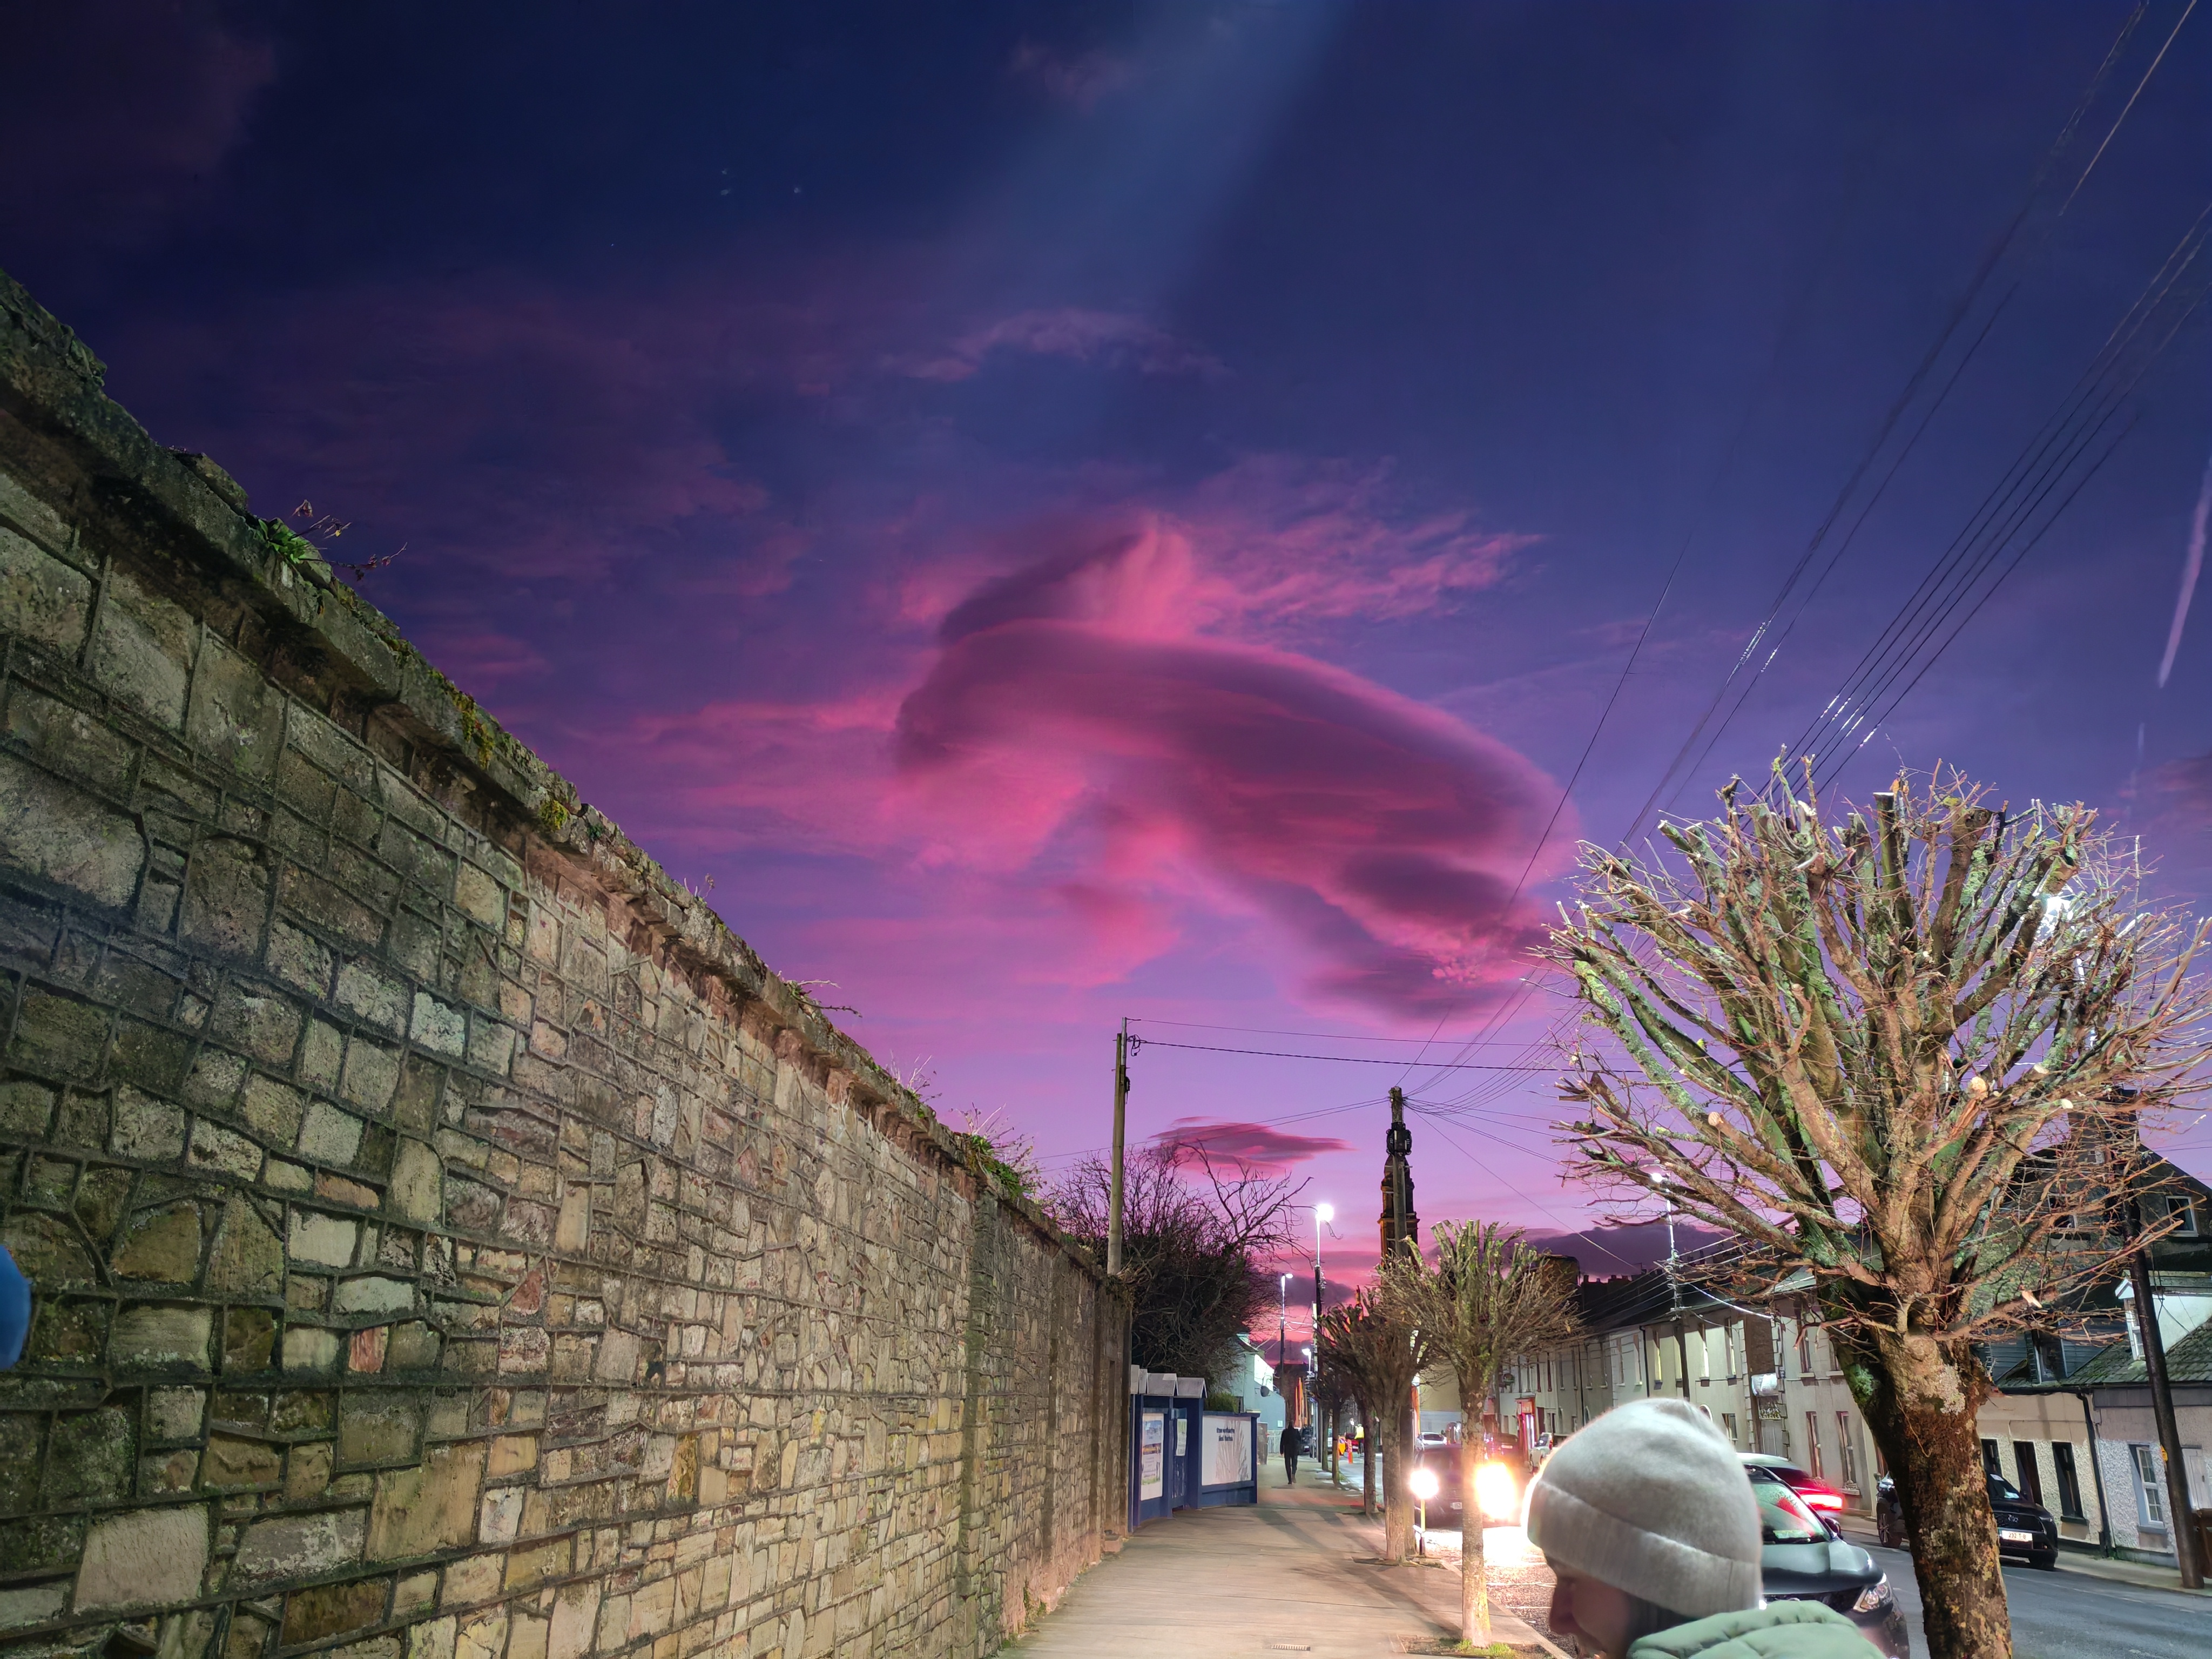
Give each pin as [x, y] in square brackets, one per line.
[1068, 513]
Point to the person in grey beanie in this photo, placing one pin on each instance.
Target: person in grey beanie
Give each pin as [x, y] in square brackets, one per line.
[1651, 1527]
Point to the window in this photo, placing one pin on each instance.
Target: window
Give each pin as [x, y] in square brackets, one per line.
[2069, 1483]
[1727, 1422]
[1813, 1445]
[1989, 1459]
[1804, 1352]
[1729, 1342]
[2048, 1355]
[2031, 1473]
[1847, 1456]
[2178, 1210]
[2150, 1487]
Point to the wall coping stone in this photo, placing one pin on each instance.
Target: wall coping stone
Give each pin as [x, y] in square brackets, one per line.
[52, 383]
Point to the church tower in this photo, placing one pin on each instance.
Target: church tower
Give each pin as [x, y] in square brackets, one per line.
[1401, 1228]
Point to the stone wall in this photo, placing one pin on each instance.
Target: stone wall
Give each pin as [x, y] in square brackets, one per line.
[449, 1241]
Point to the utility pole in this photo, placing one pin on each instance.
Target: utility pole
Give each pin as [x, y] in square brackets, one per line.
[2180, 1524]
[1674, 1293]
[1121, 1127]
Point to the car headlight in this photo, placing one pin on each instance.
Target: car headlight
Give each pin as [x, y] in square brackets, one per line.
[1422, 1483]
[1874, 1597]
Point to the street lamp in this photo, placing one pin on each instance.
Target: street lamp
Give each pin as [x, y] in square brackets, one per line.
[1282, 1315]
[1323, 1214]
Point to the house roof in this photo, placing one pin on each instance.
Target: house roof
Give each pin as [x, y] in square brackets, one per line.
[2188, 1360]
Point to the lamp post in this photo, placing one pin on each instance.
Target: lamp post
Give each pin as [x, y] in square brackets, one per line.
[1282, 1317]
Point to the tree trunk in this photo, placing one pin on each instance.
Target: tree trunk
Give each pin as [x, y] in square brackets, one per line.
[1397, 1501]
[1473, 1566]
[1920, 1397]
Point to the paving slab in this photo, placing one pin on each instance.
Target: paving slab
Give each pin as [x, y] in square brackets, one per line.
[1294, 1574]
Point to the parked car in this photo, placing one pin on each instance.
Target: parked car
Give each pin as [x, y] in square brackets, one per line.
[2026, 1531]
[1804, 1558]
[1817, 1494]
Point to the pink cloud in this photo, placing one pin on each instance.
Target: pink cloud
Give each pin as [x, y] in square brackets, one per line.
[1105, 337]
[1081, 79]
[1260, 1145]
[1076, 736]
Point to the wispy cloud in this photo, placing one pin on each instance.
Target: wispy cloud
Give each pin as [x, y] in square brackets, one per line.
[1104, 339]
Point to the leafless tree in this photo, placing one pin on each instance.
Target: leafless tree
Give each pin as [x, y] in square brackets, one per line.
[1195, 1231]
[1490, 1296]
[1904, 1052]
[1368, 1341]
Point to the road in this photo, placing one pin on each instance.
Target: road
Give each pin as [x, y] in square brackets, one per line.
[2068, 1616]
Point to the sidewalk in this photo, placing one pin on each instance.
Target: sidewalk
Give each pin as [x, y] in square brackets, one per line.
[1294, 1575]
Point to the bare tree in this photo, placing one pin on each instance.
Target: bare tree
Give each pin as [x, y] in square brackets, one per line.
[1490, 1297]
[1368, 1341]
[1195, 1229]
[1899, 1052]
[1329, 1392]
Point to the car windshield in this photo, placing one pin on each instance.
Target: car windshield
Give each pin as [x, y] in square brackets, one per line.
[2001, 1491]
[1783, 1516]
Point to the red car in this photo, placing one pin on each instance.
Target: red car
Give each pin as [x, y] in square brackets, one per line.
[1818, 1496]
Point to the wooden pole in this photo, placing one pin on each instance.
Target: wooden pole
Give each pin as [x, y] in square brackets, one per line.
[1120, 1125]
[2180, 1525]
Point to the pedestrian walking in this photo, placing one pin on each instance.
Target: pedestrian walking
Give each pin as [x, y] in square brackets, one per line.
[1291, 1443]
[1686, 1565]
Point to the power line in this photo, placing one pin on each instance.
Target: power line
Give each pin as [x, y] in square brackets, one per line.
[1684, 762]
[1349, 1059]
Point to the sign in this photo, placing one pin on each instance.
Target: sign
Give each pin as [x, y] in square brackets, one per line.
[1183, 1435]
[1151, 1461]
[1227, 1451]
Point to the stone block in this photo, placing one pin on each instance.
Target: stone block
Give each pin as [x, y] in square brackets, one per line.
[480, 897]
[174, 1413]
[59, 1035]
[33, 1605]
[328, 1610]
[430, 1507]
[233, 1463]
[142, 650]
[483, 1637]
[329, 1240]
[90, 1457]
[56, 832]
[417, 1183]
[143, 1557]
[273, 1109]
[162, 1246]
[249, 1258]
[575, 1614]
[439, 1028]
[157, 1337]
[264, 1024]
[374, 1295]
[309, 1349]
[249, 1337]
[527, 1637]
[300, 959]
[371, 1075]
[41, 598]
[378, 1427]
[330, 1135]
[144, 1128]
[476, 1579]
[432, 1639]
[226, 903]
[501, 1515]
[374, 997]
[236, 716]
[217, 1151]
[298, 1546]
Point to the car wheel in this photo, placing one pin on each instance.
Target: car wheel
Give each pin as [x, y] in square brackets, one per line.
[2044, 1562]
[1881, 1533]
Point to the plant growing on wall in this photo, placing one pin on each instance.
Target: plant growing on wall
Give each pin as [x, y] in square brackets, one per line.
[1907, 1052]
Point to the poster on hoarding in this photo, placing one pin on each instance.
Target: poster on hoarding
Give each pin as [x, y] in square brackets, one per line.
[1151, 1456]
[1228, 1455]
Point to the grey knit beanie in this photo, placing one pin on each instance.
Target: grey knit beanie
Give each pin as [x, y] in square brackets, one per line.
[1652, 1500]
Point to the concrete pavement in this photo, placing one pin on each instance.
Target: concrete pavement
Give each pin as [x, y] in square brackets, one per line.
[1294, 1575]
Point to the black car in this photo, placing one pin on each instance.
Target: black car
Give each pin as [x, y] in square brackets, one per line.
[2026, 1531]
[1802, 1559]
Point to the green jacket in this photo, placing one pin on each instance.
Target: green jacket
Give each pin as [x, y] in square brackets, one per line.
[1787, 1630]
